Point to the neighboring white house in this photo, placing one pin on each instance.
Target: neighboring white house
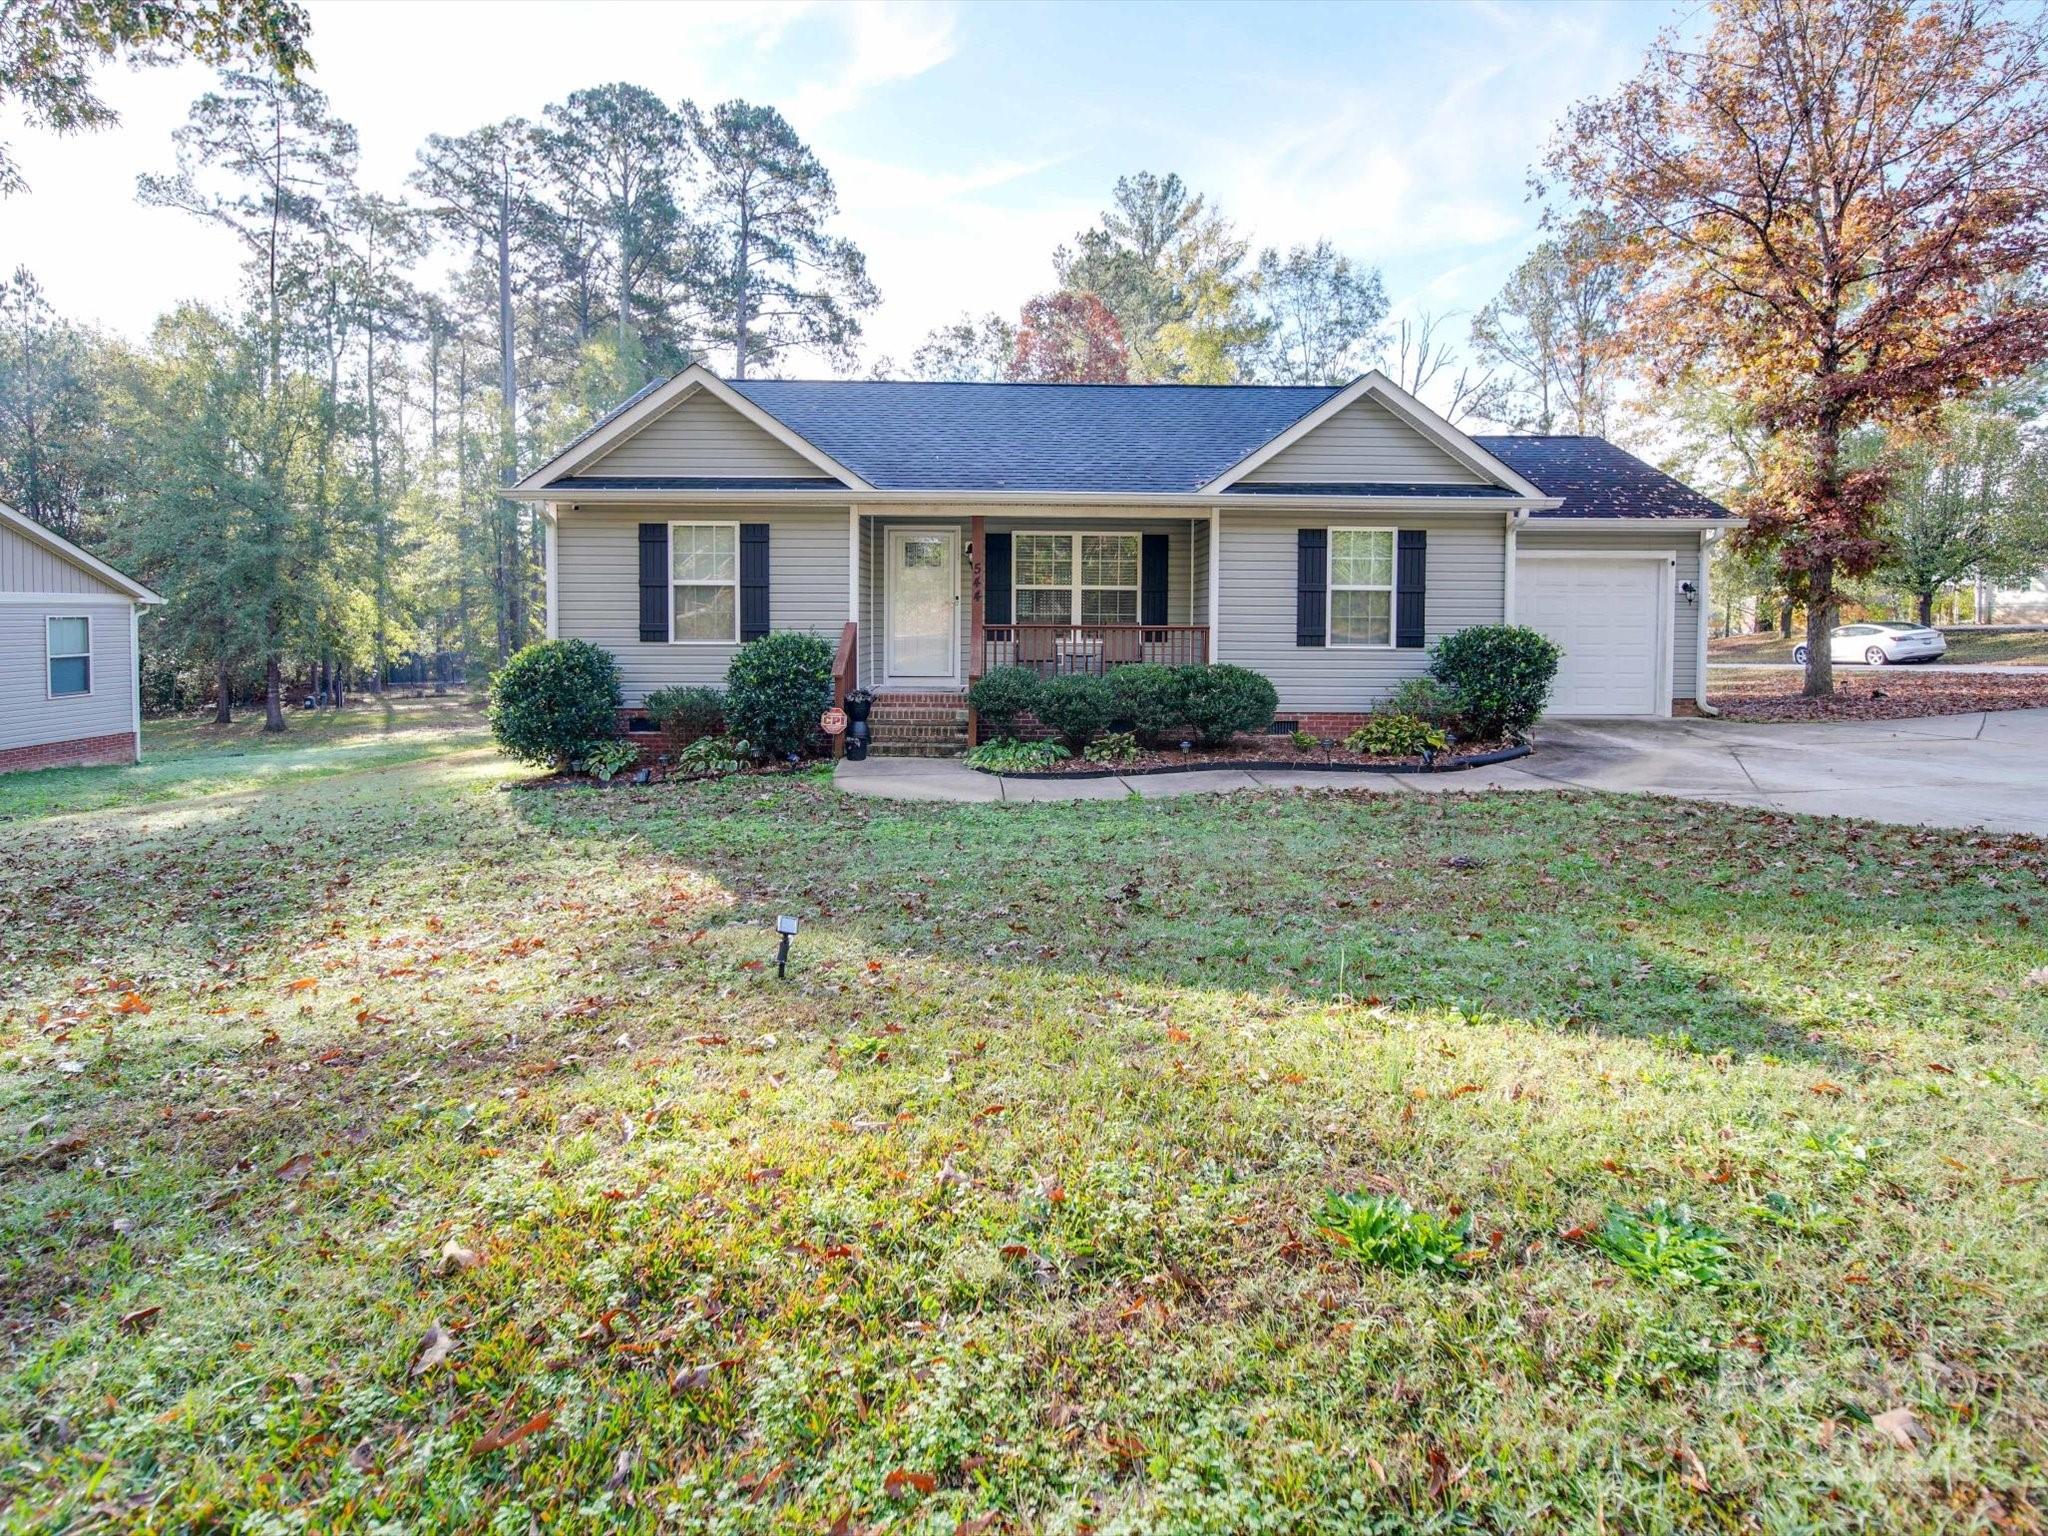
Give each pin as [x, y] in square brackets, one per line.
[70, 694]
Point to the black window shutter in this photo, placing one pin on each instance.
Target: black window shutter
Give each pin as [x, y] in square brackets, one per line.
[753, 580]
[654, 581]
[1152, 579]
[1411, 585]
[995, 582]
[1311, 586]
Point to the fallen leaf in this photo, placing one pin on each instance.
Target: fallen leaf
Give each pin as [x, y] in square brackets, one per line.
[501, 1437]
[303, 983]
[294, 1169]
[692, 1378]
[896, 1482]
[1906, 1431]
[434, 1347]
[141, 1320]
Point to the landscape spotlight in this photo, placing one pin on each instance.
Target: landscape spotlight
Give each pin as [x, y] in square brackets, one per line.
[786, 926]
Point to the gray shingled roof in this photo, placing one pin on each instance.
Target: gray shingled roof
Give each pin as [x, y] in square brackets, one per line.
[1034, 437]
[1140, 438]
[1597, 479]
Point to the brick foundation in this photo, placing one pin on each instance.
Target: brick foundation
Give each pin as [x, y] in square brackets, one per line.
[84, 752]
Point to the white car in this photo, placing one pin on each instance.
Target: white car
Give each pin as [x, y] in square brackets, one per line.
[1877, 644]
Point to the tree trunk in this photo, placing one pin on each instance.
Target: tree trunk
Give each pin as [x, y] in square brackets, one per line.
[1820, 619]
[224, 702]
[1785, 618]
[1926, 609]
[273, 696]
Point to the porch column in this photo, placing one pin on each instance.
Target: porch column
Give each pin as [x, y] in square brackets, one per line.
[853, 565]
[977, 593]
[1215, 577]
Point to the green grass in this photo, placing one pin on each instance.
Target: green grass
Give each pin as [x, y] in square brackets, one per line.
[186, 757]
[2012, 648]
[459, 1110]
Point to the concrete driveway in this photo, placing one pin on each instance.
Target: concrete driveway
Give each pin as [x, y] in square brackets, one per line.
[1982, 770]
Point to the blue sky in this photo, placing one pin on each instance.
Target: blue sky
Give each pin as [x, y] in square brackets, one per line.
[967, 140]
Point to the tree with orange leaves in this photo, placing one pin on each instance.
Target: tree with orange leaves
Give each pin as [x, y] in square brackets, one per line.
[1838, 212]
[1070, 338]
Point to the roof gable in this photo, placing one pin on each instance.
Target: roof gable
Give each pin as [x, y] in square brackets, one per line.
[33, 559]
[692, 428]
[1364, 443]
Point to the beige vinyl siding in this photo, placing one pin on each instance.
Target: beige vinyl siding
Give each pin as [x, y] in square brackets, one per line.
[1365, 443]
[28, 716]
[702, 436]
[599, 585]
[28, 567]
[1466, 564]
[1684, 546]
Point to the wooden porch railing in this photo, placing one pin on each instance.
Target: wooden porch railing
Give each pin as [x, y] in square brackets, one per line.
[1058, 650]
[845, 674]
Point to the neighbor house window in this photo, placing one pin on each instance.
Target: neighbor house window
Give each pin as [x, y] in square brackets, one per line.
[1361, 586]
[704, 582]
[1066, 578]
[70, 651]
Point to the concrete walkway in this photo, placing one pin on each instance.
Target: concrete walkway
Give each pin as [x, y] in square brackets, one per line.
[1981, 770]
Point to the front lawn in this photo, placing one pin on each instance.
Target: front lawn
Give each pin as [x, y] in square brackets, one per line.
[2010, 647]
[1871, 693]
[399, 1150]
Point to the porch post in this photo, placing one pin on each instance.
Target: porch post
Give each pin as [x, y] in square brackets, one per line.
[1215, 577]
[976, 615]
[853, 564]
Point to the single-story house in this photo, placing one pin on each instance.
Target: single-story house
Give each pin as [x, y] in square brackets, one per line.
[70, 689]
[1325, 536]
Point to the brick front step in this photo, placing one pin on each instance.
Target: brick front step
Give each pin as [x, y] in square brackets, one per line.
[900, 748]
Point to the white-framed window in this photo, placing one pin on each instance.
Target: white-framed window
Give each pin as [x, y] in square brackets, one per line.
[1074, 578]
[68, 644]
[704, 583]
[1362, 588]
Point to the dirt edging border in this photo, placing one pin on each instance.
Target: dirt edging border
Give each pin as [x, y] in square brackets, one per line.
[1267, 765]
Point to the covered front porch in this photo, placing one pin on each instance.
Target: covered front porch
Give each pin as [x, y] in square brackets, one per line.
[945, 598]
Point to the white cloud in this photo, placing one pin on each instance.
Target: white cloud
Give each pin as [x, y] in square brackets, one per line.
[886, 45]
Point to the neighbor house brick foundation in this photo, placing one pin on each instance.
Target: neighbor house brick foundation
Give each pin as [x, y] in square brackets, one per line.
[85, 752]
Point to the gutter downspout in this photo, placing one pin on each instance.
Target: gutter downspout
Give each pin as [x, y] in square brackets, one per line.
[1708, 537]
[1507, 579]
[552, 571]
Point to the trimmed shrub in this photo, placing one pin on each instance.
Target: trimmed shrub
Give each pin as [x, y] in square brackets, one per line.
[776, 688]
[1499, 676]
[1116, 747]
[1302, 741]
[711, 757]
[1150, 701]
[684, 714]
[999, 697]
[1394, 735]
[1220, 700]
[1076, 709]
[553, 700]
[1428, 701]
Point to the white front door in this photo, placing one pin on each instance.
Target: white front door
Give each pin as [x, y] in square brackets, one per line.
[923, 625]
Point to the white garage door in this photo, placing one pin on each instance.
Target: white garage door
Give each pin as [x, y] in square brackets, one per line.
[1608, 617]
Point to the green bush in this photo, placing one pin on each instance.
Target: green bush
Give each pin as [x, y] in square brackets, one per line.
[1499, 675]
[711, 757]
[685, 713]
[1428, 701]
[1302, 741]
[1150, 701]
[1393, 735]
[999, 697]
[553, 700]
[606, 760]
[1016, 756]
[1076, 709]
[1116, 747]
[1221, 700]
[776, 688]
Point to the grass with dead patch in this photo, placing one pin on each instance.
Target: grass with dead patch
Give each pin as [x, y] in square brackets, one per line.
[404, 1150]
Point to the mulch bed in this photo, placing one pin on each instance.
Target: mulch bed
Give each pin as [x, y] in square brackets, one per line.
[1273, 752]
[1888, 693]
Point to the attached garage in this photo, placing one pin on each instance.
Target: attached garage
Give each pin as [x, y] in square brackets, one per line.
[1610, 612]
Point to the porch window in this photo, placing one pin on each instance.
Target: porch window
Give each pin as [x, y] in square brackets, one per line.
[69, 647]
[1362, 586]
[1065, 578]
[704, 582]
